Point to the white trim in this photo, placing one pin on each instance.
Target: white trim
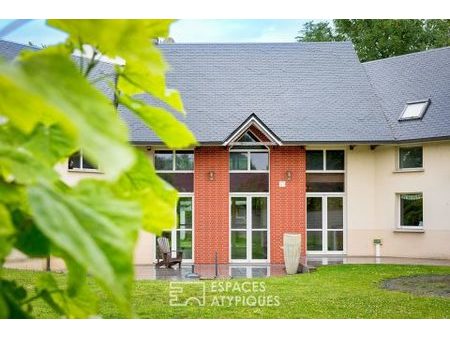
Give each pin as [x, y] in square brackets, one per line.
[252, 122]
[248, 229]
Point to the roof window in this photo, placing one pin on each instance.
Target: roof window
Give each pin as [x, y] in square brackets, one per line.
[414, 110]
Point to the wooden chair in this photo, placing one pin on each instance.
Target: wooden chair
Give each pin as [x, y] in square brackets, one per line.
[164, 254]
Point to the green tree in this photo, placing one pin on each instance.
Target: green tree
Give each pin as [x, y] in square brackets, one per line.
[377, 39]
[50, 108]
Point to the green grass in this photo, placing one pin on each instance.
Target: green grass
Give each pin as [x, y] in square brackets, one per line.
[340, 291]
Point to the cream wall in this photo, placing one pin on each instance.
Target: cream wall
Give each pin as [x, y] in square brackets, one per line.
[372, 207]
[145, 249]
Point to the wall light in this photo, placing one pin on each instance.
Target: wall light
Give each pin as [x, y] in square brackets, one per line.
[211, 175]
[288, 175]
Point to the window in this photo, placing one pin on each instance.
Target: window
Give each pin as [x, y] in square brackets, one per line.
[168, 160]
[249, 160]
[414, 110]
[176, 168]
[325, 160]
[181, 238]
[410, 157]
[249, 171]
[411, 210]
[79, 162]
[325, 170]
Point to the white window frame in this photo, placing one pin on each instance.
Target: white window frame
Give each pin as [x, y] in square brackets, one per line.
[249, 227]
[324, 164]
[397, 162]
[399, 211]
[248, 152]
[173, 170]
[81, 169]
[325, 229]
[173, 231]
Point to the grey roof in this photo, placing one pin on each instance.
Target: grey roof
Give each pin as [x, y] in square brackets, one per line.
[412, 77]
[303, 92]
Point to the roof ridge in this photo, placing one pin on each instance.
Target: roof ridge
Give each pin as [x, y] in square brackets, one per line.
[293, 43]
[408, 54]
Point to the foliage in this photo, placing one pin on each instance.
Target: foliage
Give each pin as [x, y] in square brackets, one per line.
[50, 107]
[334, 291]
[376, 39]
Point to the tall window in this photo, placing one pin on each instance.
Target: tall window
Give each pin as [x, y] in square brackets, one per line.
[325, 170]
[410, 157]
[180, 239]
[411, 210]
[176, 167]
[79, 162]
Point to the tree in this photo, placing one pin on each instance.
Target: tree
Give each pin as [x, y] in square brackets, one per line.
[376, 39]
[49, 109]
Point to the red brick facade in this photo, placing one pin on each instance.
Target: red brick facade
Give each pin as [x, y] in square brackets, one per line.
[211, 205]
[287, 204]
[211, 201]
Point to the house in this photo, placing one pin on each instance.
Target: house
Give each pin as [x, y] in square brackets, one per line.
[302, 138]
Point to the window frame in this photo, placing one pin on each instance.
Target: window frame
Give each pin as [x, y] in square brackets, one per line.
[399, 212]
[248, 153]
[397, 162]
[324, 164]
[82, 169]
[426, 104]
[174, 170]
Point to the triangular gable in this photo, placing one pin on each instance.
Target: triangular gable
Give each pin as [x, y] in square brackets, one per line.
[257, 128]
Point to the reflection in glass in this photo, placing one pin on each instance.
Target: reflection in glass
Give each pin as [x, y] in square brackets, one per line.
[259, 161]
[238, 212]
[238, 244]
[335, 213]
[259, 245]
[314, 240]
[314, 213]
[259, 212]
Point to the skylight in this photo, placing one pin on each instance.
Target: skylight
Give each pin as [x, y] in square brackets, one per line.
[414, 110]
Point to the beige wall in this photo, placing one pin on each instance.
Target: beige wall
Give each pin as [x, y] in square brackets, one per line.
[372, 185]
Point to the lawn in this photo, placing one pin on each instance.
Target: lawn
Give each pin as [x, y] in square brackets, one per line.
[340, 291]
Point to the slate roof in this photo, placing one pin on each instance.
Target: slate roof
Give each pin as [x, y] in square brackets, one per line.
[412, 77]
[303, 92]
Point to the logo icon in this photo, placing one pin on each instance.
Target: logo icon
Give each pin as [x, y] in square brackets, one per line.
[187, 293]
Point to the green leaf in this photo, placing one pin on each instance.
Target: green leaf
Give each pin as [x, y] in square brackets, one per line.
[50, 75]
[6, 232]
[170, 130]
[81, 304]
[11, 298]
[94, 228]
[132, 41]
[157, 198]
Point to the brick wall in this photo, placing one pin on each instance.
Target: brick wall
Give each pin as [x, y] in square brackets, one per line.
[211, 205]
[287, 205]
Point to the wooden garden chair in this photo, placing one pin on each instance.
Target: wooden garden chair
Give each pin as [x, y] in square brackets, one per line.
[164, 254]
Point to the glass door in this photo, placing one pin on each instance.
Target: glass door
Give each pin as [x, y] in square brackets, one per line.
[180, 238]
[249, 228]
[325, 223]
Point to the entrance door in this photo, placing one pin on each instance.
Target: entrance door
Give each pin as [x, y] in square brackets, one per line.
[325, 223]
[249, 228]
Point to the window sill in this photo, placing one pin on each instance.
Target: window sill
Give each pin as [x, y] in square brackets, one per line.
[84, 171]
[412, 170]
[410, 230]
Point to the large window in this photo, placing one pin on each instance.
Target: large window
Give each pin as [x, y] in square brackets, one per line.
[411, 210]
[325, 170]
[180, 239]
[249, 171]
[176, 168]
[410, 157]
[79, 162]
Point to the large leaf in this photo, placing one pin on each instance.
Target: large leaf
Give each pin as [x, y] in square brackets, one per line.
[171, 131]
[52, 77]
[132, 41]
[6, 233]
[157, 198]
[94, 228]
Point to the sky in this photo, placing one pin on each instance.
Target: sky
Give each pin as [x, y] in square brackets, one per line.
[38, 33]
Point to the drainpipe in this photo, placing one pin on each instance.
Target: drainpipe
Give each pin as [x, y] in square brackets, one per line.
[377, 242]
